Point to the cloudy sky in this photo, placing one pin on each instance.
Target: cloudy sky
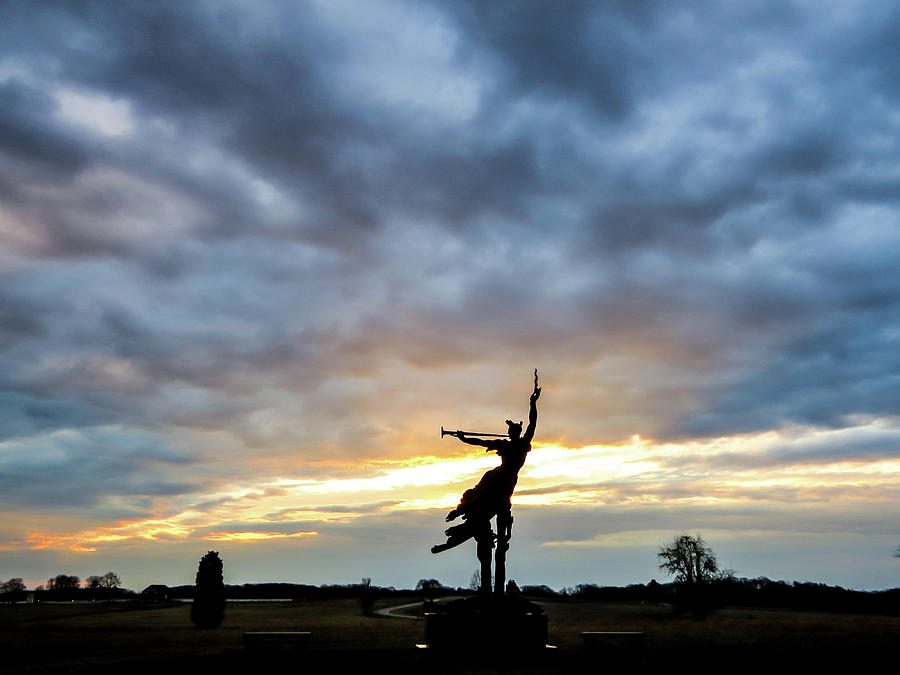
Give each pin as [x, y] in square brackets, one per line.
[254, 255]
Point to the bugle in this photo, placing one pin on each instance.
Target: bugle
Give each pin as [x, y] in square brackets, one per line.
[456, 433]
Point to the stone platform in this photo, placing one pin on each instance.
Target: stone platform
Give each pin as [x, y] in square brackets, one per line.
[486, 623]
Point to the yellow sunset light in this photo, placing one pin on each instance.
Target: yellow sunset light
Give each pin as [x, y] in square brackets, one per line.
[639, 472]
[256, 536]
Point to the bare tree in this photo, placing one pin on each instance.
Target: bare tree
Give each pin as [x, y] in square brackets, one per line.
[366, 595]
[431, 588]
[14, 585]
[428, 585]
[688, 559]
[110, 580]
[63, 582]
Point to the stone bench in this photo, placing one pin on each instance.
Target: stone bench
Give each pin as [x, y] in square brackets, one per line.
[276, 640]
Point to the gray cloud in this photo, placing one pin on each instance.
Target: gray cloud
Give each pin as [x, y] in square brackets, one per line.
[88, 467]
[314, 225]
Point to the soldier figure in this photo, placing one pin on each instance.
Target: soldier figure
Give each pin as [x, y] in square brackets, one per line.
[491, 497]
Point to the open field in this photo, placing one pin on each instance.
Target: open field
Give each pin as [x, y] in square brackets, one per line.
[108, 637]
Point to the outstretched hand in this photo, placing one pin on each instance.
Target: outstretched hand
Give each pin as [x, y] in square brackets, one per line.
[536, 394]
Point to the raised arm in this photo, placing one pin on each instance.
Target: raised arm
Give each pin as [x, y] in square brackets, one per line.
[532, 411]
[474, 441]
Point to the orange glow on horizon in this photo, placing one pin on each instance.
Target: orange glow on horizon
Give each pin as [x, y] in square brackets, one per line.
[638, 472]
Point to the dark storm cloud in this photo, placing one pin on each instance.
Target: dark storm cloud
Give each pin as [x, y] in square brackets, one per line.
[587, 51]
[28, 134]
[18, 319]
[85, 468]
[686, 217]
[853, 445]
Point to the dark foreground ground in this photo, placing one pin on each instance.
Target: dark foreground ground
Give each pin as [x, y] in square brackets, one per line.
[134, 639]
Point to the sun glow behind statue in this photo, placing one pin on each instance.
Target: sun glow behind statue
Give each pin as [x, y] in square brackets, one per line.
[639, 472]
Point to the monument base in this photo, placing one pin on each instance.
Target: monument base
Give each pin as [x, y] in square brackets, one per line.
[486, 623]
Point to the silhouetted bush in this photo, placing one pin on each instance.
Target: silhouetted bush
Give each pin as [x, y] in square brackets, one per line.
[366, 595]
[541, 591]
[208, 608]
[432, 588]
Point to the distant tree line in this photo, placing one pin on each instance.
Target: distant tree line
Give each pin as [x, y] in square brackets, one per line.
[68, 587]
[740, 592]
[733, 591]
[699, 585]
[298, 592]
[730, 591]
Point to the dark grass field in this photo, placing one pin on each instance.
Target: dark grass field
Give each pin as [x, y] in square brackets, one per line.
[134, 639]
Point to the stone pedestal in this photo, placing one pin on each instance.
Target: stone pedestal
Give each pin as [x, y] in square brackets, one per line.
[486, 623]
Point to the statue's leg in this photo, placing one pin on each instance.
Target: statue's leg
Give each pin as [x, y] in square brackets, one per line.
[440, 548]
[504, 533]
[484, 538]
[457, 535]
[452, 542]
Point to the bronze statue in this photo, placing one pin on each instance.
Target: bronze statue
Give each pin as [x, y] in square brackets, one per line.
[491, 497]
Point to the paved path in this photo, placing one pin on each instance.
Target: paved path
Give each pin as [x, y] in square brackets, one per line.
[403, 611]
[400, 611]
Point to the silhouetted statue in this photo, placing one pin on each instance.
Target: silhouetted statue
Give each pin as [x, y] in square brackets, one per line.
[491, 497]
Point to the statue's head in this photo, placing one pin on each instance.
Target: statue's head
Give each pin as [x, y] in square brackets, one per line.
[515, 429]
